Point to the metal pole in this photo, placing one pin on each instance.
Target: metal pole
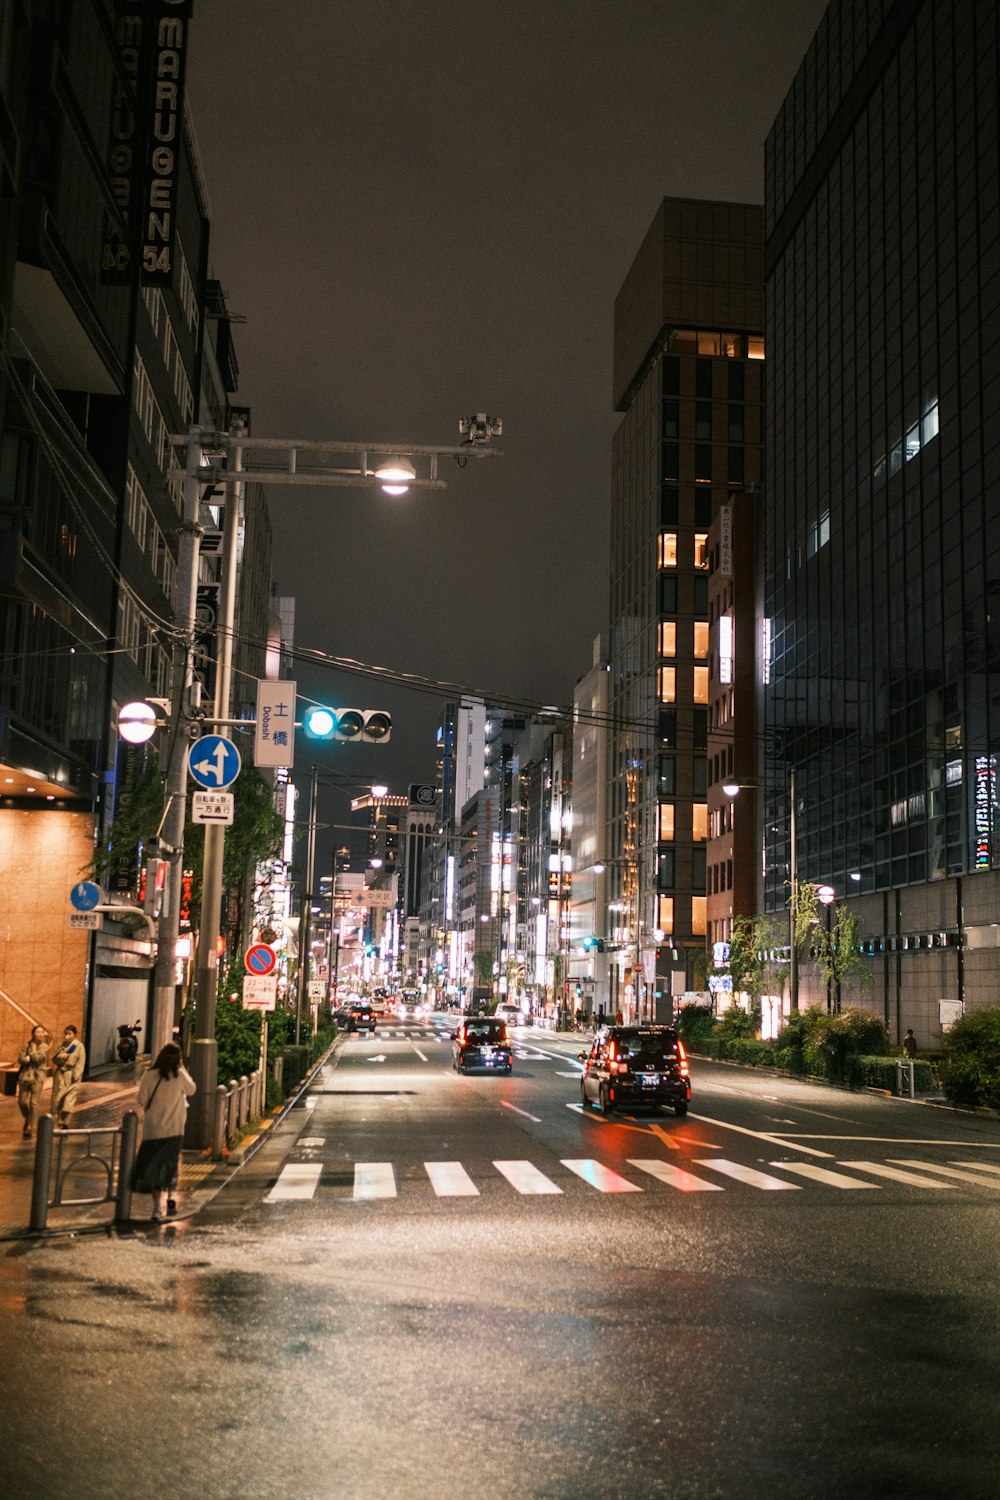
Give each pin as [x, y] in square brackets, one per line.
[126, 1156]
[204, 1057]
[307, 896]
[43, 1167]
[793, 910]
[171, 832]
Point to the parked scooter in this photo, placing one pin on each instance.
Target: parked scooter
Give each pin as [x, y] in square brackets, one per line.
[128, 1042]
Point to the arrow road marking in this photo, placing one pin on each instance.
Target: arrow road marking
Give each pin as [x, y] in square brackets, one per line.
[379, 1058]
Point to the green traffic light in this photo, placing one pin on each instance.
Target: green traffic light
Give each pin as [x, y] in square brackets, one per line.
[319, 723]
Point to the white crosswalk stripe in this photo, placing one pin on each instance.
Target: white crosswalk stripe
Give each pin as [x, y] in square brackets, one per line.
[675, 1177]
[955, 1172]
[449, 1179]
[980, 1166]
[824, 1175]
[894, 1174]
[526, 1178]
[750, 1176]
[600, 1177]
[299, 1179]
[374, 1179]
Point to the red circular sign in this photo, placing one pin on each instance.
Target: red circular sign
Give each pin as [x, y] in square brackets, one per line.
[260, 958]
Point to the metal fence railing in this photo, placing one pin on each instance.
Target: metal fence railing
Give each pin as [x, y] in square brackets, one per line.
[68, 1163]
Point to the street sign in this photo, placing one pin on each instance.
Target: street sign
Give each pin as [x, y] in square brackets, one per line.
[85, 921]
[379, 900]
[316, 988]
[274, 735]
[85, 895]
[260, 958]
[213, 807]
[260, 992]
[214, 762]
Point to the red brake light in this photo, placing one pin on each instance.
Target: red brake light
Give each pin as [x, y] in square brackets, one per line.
[612, 1054]
[682, 1055]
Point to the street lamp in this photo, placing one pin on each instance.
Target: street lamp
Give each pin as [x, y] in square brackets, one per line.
[825, 894]
[733, 789]
[333, 937]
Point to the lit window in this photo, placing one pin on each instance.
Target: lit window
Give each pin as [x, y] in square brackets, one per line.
[699, 821]
[701, 549]
[701, 684]
[755, 347]
[666, 822]
[665, 914]
[698, 913]
[668, 549]
[701, 639]
[708, 343]
[929, 426]
[668, 684]
[912, 441]
[668, 637]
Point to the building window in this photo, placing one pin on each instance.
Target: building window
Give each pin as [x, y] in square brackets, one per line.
[735, 466]
[666, 834]
[755, 347]
[667, 726]
[736, 422]
[701, 549]
[703, 463]
[665, 870]
[670, 461]
[671, 419]
[665, 914]
[668, 594]
[668, 637]
[698, 914]
[668, 684]
[701, 640]
[701, 684]
[699, 821]
[667, 551]
[701, 596]
[703, 378]
[698, 869]
[666, 774]
[668, 506]
[699, 729]
[703, 421]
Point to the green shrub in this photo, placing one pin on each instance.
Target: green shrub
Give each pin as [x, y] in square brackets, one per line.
[971, 1068]
[696, 1024]
[274, 1094]
[750, 1050]
[737, 1022]
[851, 1034]
[880, 1073]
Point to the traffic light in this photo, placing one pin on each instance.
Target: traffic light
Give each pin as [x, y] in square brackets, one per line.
[593, 944]
[371, 726]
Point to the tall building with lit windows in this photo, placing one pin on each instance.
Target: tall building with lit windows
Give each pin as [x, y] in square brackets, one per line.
[880, 669]
[688, 378]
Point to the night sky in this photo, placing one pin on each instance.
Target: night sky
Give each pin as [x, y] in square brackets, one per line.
[426, 210]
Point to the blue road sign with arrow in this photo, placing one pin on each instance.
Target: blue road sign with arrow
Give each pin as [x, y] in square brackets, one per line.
[85, 895]
[214, 761]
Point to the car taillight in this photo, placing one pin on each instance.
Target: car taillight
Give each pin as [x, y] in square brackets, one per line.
[682, 1058]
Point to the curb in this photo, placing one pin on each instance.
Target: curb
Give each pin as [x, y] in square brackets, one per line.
[936, 1101]
[215, 1181]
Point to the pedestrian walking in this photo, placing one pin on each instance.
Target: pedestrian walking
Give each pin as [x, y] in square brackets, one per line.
[32, 1059]
[164, 1091]
[69, 1063]
[910, 1044]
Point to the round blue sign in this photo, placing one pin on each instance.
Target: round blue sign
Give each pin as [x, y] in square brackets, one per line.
[85, 895]
[214, 761]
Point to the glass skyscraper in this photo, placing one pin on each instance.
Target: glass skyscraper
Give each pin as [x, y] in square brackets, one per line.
[879, 649]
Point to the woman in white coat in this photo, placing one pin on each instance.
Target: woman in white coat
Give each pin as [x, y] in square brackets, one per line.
[164, 1091]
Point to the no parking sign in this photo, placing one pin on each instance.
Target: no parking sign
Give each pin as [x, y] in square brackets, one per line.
[260, 958]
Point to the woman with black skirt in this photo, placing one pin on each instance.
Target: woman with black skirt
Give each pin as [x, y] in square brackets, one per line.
[164, 1091]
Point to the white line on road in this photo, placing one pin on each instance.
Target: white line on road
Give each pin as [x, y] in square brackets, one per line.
[374, 1179]
[449, 1179]
[675, 1177]
[576, 1073]
[311, 1102]
[823, 1174]
[880, 1169]
[526, 1178]
[959, 1176]
[507, 1105]
[299, 1179]
[891, 1140]
[421, 1055]
[980, 1166]
[749, 1175]
[759, 1135]
[600, 1177]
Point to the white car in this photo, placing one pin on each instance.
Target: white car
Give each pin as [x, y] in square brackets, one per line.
[512, 1014]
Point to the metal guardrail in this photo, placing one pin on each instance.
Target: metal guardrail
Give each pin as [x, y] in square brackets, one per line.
[236, 1103]
[905, 1083]
[109, 1149]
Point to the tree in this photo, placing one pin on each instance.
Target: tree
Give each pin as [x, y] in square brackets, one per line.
[838, 953]
[753, 966]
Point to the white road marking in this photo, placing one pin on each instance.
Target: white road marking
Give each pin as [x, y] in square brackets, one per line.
[449, 1179]
[526, 1178]
[600, 1177]
[749, 1175]
[759, 1135]
[507, 1105]
[312, 1142]
[980, 1166]
[379, 1058]
[577, 1073]
[299, 1179]
[675, 1177]
[421, 1055]
[823, 1174]
[374, 1179]
[881, 1169]
[311, 1102]
[959, 1176]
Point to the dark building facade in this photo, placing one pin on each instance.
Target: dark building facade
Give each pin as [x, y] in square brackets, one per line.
[688, 377]
[880, 631]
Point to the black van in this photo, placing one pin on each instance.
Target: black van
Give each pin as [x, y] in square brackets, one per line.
[636, 1066]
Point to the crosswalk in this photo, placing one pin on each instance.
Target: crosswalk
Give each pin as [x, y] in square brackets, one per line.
[374, 1180]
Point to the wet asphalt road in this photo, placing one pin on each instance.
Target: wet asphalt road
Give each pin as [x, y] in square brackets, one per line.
[681, 1307]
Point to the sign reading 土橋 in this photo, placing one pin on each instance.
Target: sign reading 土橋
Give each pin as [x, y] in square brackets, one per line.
[274, 733]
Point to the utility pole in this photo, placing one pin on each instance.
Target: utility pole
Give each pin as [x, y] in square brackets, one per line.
[305, 920]
[793, 910]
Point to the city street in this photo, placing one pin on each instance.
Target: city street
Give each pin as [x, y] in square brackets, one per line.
[424, 1284]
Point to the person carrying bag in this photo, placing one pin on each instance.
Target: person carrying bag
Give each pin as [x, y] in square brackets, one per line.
[164, 1091]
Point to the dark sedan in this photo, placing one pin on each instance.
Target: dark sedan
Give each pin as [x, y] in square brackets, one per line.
[636, 1066]
[482, 1044]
